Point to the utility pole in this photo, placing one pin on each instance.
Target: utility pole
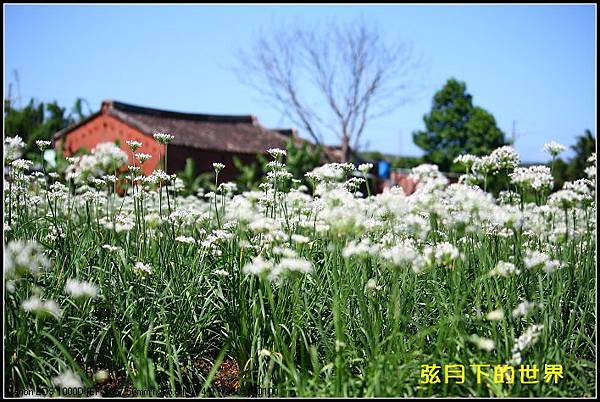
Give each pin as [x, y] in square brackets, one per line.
[514, 134]
[9, 97]
[17, 82]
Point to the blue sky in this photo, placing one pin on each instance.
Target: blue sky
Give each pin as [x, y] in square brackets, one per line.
[531, 64]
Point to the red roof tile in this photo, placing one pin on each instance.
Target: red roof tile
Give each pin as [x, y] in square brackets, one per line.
[239, 134]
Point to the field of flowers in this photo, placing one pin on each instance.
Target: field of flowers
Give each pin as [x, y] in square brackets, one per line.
[114, 282]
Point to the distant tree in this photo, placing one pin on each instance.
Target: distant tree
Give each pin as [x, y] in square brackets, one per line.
[373, 156]
[27, 123]
[584, 148]
[574, 168]
[38, 121]
[406, 162]
[249, 175]
[454, 127]
[330, 80]
[191, 181]
[300, 159]
[396, 161]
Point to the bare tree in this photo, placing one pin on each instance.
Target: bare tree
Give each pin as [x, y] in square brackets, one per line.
[330, 80]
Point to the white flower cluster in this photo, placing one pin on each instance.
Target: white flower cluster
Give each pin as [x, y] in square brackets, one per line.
[537, 178]
[134, 145]
[42, 307]
[365, 167]
[24, 257]
[565, 199]
[554, 148]
[525, 308]
[362, 247]
[105, 157]
[495, 315]
[523, 342]
[163, 138]
[109, 156]
[277, 153]
[483, 343]
[157, 177]
[590, 171]
[504, 158]
[142, 157]
[443, 254]
[467, 160]
[504, 268]
[67, 379]
[21, 165]
[424, 172]
[276, 271]
[584, 188]
[142, 269]
[122, 222]
[81, 289]
[536, 259]
[13, 148]
[42, 145]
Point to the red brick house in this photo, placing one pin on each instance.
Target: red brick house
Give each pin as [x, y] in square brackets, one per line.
[204, 138]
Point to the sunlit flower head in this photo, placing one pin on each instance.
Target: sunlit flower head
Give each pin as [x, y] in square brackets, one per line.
[42, 145]
[134, 145]
[163, 138]
[81, 289]
[554, 148]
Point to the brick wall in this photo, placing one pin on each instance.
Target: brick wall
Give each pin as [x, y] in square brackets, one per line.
[105, 128]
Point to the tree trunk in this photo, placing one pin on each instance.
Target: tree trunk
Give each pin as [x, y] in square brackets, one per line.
[345, 149]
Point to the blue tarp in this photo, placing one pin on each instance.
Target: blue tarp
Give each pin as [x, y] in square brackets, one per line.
[384, 169]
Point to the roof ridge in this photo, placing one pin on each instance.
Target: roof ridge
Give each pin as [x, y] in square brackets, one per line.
[127, 107]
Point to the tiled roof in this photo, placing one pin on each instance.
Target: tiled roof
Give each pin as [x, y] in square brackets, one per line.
[239, 134]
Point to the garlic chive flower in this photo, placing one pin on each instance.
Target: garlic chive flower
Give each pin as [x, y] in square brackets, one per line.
[81, 289]
[536, 259]
[134, 145]
[142, 268]
[258, 267]
[590, 171]
[504, 268]
[554, 148]
[537, 178]
[365, 167]
[467, 160]
[525, 308]
[142, 157]
[185, 240]
[134, 169]
[21, 165]
[218, 167]
[504, 158]
[523, 342]
[67, 379]
[42, 145]
[163, 138]
[372, 285]
[276, 153]
[13, 148]
[564, 199]
[24, 257]
[42, 307]
[495, 315]
[483, 343]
